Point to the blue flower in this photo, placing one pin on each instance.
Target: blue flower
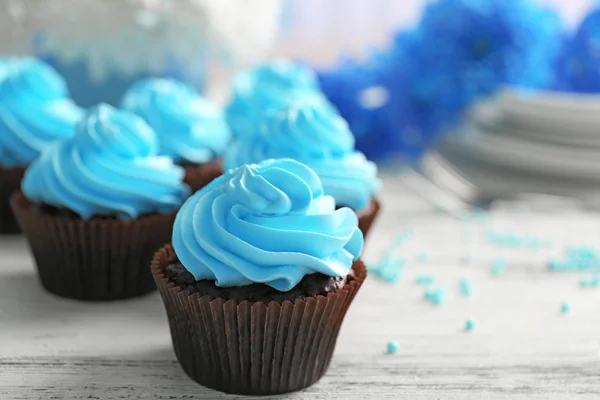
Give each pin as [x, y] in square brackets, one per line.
[461, 51]
[578, 67]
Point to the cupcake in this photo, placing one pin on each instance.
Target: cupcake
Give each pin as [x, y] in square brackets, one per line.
[95, 208]
[261, 272]
[264, 88]
[191, 130]
[34, 112]
[319, 137]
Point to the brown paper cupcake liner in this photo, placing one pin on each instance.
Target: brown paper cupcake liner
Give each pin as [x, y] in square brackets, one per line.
[10, 182]
[199, 175]
[367, 216]
[97, 259]
[253, 348]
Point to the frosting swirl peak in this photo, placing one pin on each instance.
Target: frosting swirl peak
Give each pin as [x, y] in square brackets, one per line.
[110, 167]
[316, 135]
[189, 127]
[266, 88]
[265, 223]
[34, 111]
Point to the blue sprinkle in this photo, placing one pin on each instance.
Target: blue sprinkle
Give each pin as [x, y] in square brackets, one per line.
[466, 259]
[577, 258]
[564, 308]
[513, 240]
[425, 279]
[465, 287]
[498, 266]
[436, 295]
[590, 282]
[424, 258]
[393, 347]
[389, 270]
[470, 324]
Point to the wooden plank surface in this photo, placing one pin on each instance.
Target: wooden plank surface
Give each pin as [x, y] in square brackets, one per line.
[521, 348]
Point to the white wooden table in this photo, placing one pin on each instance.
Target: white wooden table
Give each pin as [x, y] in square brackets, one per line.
[521, 348]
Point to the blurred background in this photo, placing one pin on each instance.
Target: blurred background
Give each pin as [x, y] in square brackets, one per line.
[353, 26]
[477, 100]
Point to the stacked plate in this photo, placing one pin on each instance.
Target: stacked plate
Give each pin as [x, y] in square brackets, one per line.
[523, 143]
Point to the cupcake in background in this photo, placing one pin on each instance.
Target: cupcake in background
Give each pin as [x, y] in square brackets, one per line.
[319, 137]
[35, 111]
[95, 208]
[260, 90]
[191, 130]
[261, 272]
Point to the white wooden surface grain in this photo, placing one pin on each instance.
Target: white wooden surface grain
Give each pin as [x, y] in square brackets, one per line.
[522, 347]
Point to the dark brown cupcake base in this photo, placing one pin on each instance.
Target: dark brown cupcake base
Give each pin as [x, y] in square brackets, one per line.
[253, 348]
[94, 260]
[10, 182]
[199, 175]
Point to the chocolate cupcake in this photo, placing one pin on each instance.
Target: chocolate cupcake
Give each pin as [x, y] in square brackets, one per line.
[95, 208]
[316, 135]
[265, 88]
[259, 279]
[190, 128]
[34, 112]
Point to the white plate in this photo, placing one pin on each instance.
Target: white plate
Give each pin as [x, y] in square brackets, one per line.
[532, 157]
[554, 112]
[504, 127]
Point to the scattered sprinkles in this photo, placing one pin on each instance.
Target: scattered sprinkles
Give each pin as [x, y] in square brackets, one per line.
[514, 240]
[389, 270]
[393, 347]
[590, 282]
[425, 279]
[465, 287]
[564, 308]
[577, 258]
[436, 295]
[498, 266]
[470, 324]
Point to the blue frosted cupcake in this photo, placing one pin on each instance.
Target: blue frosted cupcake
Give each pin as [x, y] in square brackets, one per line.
[191, 129]
[261, 272]
[35, 111]
[95, 208]
[266, 88]
[319, 137]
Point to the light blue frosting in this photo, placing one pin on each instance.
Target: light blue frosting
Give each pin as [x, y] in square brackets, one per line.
[110, 167]
[34, 111]
[265, 223]
[266, 88]
[189, 127]
[320, 138]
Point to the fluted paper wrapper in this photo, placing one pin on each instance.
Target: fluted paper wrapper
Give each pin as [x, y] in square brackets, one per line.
[199, 175]
[253, 348]
[97, 259]
[367, 216]
[10, 182]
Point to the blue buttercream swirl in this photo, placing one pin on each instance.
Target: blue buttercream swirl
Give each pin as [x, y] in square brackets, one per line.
[34, 111]
[265, 223]
[189, 127]
[266, 88]
[317, 136]
[110, 167]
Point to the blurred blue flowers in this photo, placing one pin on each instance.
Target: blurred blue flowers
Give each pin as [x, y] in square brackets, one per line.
[578, 67]
[460, 51]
